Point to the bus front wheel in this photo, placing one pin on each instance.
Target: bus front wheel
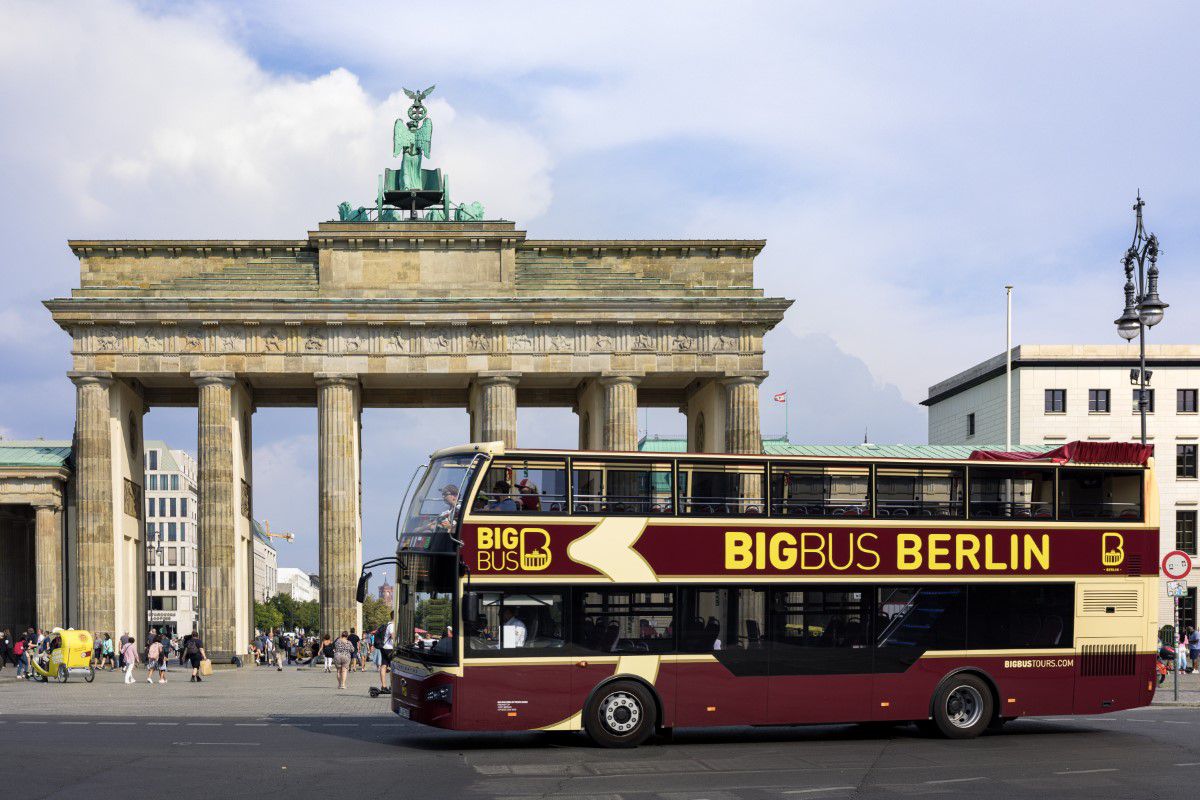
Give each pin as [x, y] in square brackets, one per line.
[962, 707]
[620, 714]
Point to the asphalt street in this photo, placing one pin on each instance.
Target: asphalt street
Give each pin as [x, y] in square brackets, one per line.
[1148, 753]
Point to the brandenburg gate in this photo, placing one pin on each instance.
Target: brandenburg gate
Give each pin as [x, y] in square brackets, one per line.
[414, 302]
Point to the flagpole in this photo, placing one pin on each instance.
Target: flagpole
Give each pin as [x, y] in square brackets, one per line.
[787, 434]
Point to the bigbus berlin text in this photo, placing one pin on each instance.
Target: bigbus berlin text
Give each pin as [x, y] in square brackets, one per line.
[852, 550]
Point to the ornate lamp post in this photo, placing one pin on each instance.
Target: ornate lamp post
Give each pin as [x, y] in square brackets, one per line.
[1143, 307]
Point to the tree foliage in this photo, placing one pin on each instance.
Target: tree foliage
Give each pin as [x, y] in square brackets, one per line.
[306, 615]
[375, 613]
[267, 617]
[434, 615]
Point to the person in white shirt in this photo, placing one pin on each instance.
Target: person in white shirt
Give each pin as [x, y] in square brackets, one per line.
[512, 632]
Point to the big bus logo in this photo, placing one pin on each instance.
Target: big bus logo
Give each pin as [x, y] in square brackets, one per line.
[513, 549]
[1112, 550]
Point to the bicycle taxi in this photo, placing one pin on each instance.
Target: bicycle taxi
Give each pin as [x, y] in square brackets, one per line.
[68, 654]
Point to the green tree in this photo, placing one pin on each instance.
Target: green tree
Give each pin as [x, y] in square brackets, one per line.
[308, 617]
[433, 615]
[267, 617]
[285, 604]
[375, 613]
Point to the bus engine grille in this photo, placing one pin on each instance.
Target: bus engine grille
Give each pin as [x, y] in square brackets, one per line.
[1097, 660]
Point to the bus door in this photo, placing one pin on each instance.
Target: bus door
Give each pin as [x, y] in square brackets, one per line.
[721, 674]
[517, 676]
[820, 666]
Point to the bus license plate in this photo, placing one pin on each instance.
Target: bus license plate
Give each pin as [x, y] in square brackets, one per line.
[404, 712]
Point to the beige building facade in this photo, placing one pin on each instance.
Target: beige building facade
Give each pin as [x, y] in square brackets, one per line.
[472, 315]
[1063, 393]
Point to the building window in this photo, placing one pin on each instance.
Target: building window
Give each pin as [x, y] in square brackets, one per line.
[150, 507]
[971, 424]
[1185, 531]
[183, 507]
[183, 581]
[172, 581]
[149, 581]
[151, 459]
[1149, 401]
[173, 556]
[1098, 401]
[162, 506]
[173, 507]
[171, 528]
[1056, 401]
[183, 531]
[1185, 401]
[1185, 461]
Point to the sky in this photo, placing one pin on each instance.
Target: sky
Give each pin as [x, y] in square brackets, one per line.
[904, 161]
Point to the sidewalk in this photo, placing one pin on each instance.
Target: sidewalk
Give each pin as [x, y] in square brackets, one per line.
[1189, 691]
[253, 692]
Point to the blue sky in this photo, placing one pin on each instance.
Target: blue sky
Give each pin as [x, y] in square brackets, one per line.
[904, 162]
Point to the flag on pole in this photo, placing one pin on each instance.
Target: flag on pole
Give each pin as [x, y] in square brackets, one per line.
[781, 397]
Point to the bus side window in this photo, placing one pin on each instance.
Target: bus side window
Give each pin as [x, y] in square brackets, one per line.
[514, 486]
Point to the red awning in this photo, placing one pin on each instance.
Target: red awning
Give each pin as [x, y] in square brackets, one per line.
[1078, 453]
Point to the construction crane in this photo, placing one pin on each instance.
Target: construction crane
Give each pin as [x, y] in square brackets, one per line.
[267, 532]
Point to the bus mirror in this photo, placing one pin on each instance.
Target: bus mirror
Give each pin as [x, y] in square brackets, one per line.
[361, 594]
[469, 610]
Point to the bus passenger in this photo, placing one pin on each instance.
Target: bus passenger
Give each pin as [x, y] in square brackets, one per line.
[530, 499]
[512, 632]
[502, 497]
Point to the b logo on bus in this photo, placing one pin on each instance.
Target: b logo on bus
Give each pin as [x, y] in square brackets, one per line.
[513, 549]
[1112, 551]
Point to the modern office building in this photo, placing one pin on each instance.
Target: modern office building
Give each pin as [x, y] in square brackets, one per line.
[171, 555]
[266, 565]
[1062, 393]
[297, 583]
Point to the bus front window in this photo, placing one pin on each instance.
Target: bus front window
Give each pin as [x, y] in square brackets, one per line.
[425, 622]
[437, 503]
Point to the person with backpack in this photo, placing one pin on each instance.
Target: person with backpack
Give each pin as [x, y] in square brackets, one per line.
[22, 657]
[194, 650]
[153, 653]
[327, 651]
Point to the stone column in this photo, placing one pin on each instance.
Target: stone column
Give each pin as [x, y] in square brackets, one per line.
[620, 411]
[339, 408]
[94, 491]
[496, 407]
[742, 431]
[216, 537]
[48, 549]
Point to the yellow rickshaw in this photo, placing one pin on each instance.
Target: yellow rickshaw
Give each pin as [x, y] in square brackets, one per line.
[68, 653]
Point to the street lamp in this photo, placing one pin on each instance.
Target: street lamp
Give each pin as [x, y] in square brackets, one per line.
[1143, 307]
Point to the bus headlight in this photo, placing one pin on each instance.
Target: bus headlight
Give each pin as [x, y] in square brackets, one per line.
[441, 694]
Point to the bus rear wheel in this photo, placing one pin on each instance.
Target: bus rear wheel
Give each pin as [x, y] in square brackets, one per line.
[620, 714]
[962, 707]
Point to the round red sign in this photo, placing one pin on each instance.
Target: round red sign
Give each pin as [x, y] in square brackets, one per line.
[1176, 565]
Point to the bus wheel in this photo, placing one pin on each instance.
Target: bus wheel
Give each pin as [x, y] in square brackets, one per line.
[621, 714]
[962, 707]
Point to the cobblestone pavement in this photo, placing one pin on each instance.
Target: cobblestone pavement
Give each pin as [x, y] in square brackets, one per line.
[1189, 690]
[248, 692]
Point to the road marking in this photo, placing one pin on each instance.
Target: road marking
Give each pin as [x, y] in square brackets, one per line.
[114, 723]
[956, 780]
[297, 725]
[386, 725]
[249, 724]
[339, 724]
[1189, 764]
[822, 789]
[205, 724]
[31, 722]
[1086, 771]
[228, 744]
[74, 723]
[1174, 722]
[162, 723]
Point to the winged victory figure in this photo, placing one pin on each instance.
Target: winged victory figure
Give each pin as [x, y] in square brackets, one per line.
[411, 140]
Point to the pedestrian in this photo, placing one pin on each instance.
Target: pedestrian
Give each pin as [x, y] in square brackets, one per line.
[326, 651]
[22, 657]
[153, 653]
[385, 642]
[129, 657]
[341, 657]
[1193, 645]
[194, 650]
[5, 650]
[281, 649]
[106, 653]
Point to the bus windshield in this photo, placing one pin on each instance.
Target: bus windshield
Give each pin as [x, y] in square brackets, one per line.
[437, 504]
[424, 624]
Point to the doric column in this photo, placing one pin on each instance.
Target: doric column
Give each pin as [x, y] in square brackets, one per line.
[48, 560]
[742, 431]
[217, 536]
[340, 533]
[94, 490]
[620, 411]
[495, 412]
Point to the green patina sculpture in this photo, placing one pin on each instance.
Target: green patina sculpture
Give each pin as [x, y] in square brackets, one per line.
[412, 188]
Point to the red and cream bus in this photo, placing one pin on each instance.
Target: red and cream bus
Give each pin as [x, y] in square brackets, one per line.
[628, 593]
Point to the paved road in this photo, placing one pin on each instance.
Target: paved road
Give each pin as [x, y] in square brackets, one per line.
[1141, 755]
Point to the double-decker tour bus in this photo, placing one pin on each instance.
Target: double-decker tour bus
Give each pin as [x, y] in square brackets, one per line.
[628, 593]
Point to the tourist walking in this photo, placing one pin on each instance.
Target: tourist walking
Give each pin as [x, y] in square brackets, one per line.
[326, 651]
[194, 650]
[385, 641]
[129, 657]
[354, 657]
[341, 657]
[153, 654]
[5, 650]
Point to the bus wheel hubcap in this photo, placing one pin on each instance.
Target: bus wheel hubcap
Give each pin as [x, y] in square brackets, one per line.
[620, 712]
[964, 707]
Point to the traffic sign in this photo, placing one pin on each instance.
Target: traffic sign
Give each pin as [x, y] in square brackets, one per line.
[1176, 565]
[1177, 589]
